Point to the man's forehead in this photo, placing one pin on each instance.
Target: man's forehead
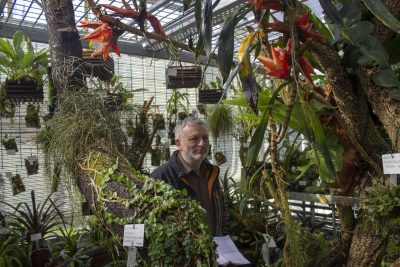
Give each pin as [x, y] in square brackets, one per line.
[190, 127]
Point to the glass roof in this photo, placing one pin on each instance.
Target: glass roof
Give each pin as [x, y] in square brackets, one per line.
[28, 16]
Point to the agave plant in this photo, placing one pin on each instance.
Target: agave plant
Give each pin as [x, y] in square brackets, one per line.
[19, 61]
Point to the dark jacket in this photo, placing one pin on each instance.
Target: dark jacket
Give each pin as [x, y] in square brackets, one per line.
[174, 174]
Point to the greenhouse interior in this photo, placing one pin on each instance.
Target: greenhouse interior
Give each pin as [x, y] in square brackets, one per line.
[199, 133]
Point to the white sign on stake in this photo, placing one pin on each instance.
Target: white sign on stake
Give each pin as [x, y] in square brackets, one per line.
[391, 163]
[133, 235]
[36, 237]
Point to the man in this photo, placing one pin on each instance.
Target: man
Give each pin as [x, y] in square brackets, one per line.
[188, 169]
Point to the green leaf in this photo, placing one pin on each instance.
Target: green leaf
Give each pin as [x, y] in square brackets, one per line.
[383, 14]
[226, 46]
[359, 31]
[206, 26]
[321, 144]
[386, 78]
[321, 26]
[258, 136]
[331, 12]
[351, 13]
[395, 94]
[197, 15]
[372, 58]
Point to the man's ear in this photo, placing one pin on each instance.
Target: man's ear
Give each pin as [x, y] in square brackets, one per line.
[178, 143]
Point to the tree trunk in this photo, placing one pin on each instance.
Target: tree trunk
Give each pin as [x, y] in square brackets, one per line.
[65, 46]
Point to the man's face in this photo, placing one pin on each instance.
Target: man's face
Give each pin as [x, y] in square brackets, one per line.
[193, 144]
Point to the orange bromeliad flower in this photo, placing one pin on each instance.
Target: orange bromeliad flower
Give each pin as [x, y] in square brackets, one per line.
[303, 26]
[267, 4]
[103, 33]
[278, 65]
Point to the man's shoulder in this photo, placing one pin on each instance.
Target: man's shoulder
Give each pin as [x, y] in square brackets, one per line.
[160, 170]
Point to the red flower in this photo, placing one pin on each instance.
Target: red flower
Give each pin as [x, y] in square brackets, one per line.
[267, 4]
[303, 26]
[103, 33]
[129, 12]
[306, 68]
[278, 65]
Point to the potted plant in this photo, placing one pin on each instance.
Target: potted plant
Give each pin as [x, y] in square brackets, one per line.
[34, 223]
[211, 93]
[183, 76]
[32, 165]
[23, 67]
[220, 158]
[96, 66]
[32, 116]
[9, 144]
[17, 186]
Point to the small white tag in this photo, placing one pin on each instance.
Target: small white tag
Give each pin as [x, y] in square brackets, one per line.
[36, 237]
[31, 159]
[11, 152]
[172, 72]
[133, 235]
[303, 183]
[269, 240]
[391, 163]
[8, 174]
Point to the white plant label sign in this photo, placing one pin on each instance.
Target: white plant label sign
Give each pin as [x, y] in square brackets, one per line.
[36, 237]
[133, 235]
[391, 163]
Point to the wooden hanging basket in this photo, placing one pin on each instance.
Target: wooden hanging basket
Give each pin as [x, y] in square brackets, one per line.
[210, 96]
[24, 91]
[97, 67]
[183, 77]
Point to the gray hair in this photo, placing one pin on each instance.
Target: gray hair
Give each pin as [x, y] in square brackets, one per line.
[188, 120]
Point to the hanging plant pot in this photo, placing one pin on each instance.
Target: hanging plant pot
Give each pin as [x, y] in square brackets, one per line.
[220, 158]
[113, 101]
[32, 165]
[97, 67]
[24, 91]
[10, 145]
[17, 186]
[155, 157]
[158, 121]
[182, 115]
[210, 96]
[183, 77]
[32, 116]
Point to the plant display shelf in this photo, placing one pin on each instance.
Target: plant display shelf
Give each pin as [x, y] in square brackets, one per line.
[183, 77]
[97, 67]
[210, 96]
[24, 91]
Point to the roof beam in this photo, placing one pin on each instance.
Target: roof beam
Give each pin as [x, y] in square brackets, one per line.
[132, 49]
[2, 5]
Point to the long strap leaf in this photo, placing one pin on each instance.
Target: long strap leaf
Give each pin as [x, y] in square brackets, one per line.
[383, 14]
[258, 136]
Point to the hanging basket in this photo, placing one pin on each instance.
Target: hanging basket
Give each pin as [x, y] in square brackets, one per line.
[97, 67]
[32, 165]
[220, 158]
[210, 96]
[183, 77]
[23, 91]
[17, 186]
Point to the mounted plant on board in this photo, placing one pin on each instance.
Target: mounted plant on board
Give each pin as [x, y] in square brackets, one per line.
[32, 116]
[17, 186]
[9, 144]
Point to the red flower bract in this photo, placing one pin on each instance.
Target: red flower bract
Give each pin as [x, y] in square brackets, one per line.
[103, 33]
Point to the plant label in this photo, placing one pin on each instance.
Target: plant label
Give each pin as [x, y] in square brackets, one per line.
[133, 235]
[36, 237]
[269, 240]
[302, 183]
[8, 174]
[391, 163]
[31, 159]
[172, 72]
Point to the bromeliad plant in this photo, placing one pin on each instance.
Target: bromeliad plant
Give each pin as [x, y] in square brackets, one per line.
[108, 34]
[19, 61]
